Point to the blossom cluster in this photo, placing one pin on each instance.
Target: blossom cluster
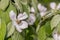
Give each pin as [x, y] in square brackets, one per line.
[22, 20]
[43, 11]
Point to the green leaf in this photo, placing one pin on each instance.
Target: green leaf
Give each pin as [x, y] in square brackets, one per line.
[17, 36]
[2, 29]
[0, 23]
[18, 5]
[24, 1]
[42, 33]
[38, 18]
[5, 15]
[49, 39]
[1, 12]
[4, 4]
[48, 28]
[10, 29]
[55, 20]
[30, 34]
[26, 8]
[9, 38]
[58, 27]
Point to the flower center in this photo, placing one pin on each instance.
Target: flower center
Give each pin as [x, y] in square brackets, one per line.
[18, 21]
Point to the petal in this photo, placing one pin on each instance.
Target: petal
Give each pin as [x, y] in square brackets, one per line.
[32, 9]
[58, 37]
[31, 19]
[44, 9]
[53, 5]
[22, 16]
[55, 35]
[17, 27]
[58, 7]
[12, 15]
[23, 25]
[42, 14]
[41, 8]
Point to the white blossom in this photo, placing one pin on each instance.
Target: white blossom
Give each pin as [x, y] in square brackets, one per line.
[58, 37]
[41, 8]
[55, 35]
[18, 20]
[22, 16]
[53, 5]
[31, 19]
[32, 9]
[42, 14]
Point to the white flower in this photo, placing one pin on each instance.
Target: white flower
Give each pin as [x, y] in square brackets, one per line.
[42, 14]
[56, 36]
[31, 19]
[22, 16]
[54, 6]
[41, 8]
[32, 9]
[18, 20]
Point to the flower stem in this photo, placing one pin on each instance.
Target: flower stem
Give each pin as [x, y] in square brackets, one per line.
[44, 18]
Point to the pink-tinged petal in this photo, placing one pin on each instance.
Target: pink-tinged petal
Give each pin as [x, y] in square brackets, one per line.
[58, 7]
[12, 15]
[41, 8]
[22, 16]
[53, 5]
[17, 26]
[32, 9]
[31, 19]
[42, 14]
[18, 29]
[55, 35]
[58, 37]
[23, 25]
